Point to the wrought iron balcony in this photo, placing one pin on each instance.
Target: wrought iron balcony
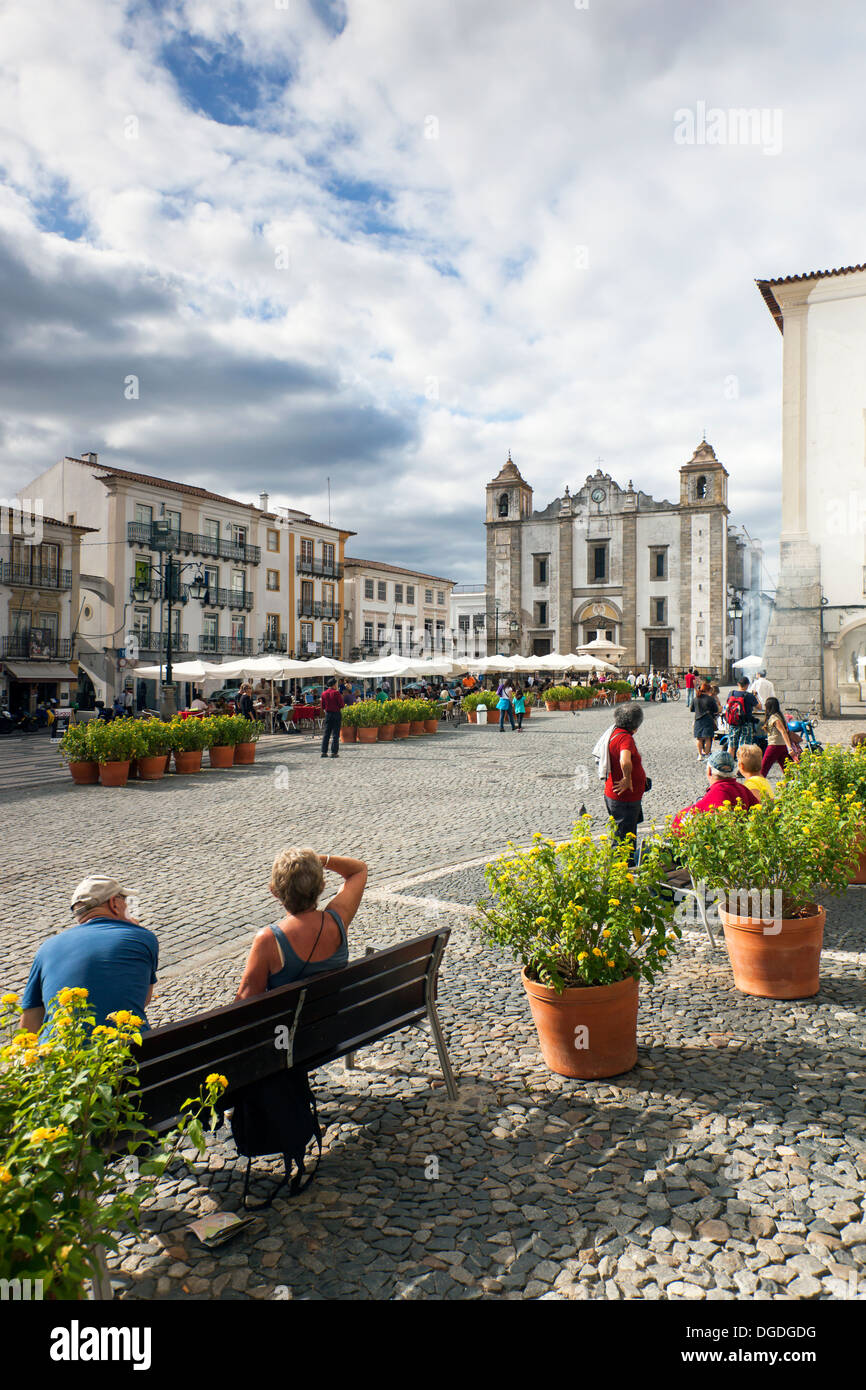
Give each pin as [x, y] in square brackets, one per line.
[211, 645]
[34, 576]
[278, 644]
[193, 543]
[304, 565]
[158, 642]
[229, 598]
[34, 646]
[317, 608]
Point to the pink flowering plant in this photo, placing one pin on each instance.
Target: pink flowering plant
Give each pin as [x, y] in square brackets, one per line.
[576, 913]
[68, 1110]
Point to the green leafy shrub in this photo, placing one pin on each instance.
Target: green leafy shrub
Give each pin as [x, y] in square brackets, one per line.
[66, 1093]
[797, 843]
[115, 742]
[479, 697]
[156, 738]
[368, 714]
[576, 913]
[75, 745]
[189, 735]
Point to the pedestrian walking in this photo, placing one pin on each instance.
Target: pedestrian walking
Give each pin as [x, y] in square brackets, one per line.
[626, 779]
[706, 713]
[519, 707]
[780, 746]
[332, 704]
[503, 704]
[764, 689]
[740, 715]
[690, 680]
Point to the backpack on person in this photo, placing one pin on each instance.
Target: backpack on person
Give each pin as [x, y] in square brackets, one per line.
[734, 711]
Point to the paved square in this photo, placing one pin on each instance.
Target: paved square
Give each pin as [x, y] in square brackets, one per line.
[731, 1162]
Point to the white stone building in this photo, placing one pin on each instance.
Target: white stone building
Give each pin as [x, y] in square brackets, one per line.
[650, 576]
[816, 646]
[392, 610]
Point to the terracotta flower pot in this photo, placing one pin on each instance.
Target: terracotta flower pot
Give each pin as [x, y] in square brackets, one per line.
[151, 769]
[187, 762]
[431, 726]
[386, 733]
[348, 733]
[859, 875]
[223, 755]
[416, 727]
[551, 704]
[114, 774]
[781, 964]
[472, 716]
[401, 730]
[368, 735]
[85, 774]
[245, 753]
[587, 1033]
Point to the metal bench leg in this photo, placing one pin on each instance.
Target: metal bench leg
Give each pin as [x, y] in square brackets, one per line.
[701, 896]
[436, 1026]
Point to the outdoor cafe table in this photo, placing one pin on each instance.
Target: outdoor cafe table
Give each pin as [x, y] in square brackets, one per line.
[310, 713]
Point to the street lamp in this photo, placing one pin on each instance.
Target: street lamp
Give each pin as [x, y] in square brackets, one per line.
[162, 538]
[735, 611]
[508, 617]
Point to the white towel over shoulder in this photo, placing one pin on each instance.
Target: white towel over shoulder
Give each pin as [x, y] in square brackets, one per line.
[601, 753]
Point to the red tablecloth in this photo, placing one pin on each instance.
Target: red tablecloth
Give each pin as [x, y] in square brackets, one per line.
[306, 712]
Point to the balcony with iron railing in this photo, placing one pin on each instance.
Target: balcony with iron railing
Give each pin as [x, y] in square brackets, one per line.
[158, 642]
[30, 647]
[193, 543]
[34, 576]
[278, 644]
[318, 608]
[307, 565]
[239, 599]
[211, 645]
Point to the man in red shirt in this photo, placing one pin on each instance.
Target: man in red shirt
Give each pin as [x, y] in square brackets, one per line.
[626, 780]
[332, 704]
[690, 688]
[721, 775]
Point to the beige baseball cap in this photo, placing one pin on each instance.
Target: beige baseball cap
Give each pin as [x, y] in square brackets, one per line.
[95, 890]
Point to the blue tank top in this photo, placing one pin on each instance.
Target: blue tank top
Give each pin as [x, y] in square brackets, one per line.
[294, 968]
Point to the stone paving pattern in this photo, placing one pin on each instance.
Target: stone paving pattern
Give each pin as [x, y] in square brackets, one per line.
[730, 1162]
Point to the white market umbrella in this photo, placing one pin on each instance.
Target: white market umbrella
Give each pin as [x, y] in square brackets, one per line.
[181, 670]
[750, 663]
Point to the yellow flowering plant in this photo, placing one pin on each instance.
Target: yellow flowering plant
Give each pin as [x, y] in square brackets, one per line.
[68, 1113]
[782, 852]
[577, 913]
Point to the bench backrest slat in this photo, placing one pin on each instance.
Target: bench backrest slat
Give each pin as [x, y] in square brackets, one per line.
[341, 1012]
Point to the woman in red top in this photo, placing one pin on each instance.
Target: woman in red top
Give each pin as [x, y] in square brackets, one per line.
[626, 781]
[721, 775]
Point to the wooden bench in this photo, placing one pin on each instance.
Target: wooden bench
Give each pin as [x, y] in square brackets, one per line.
[306, 1024]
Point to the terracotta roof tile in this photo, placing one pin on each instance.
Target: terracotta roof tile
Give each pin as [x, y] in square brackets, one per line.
[766, 286]
[393, 569]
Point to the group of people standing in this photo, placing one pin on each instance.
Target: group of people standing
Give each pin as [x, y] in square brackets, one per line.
[752, 716]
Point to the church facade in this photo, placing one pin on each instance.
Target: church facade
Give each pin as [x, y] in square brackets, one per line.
[612, 562]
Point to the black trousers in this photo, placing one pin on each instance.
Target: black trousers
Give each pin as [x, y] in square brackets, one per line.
[627, 815]
[333, 720]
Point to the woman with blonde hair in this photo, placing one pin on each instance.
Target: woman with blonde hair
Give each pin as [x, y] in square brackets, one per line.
[306, 941]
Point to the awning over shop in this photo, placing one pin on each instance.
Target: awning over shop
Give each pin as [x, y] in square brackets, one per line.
[39, 671]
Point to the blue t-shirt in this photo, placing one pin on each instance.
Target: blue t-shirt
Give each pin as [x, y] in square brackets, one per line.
[115, 961]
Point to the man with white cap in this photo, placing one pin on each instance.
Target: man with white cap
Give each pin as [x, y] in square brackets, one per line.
[105, 951]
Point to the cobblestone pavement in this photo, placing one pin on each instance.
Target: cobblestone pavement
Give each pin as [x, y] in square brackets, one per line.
[730, 1162]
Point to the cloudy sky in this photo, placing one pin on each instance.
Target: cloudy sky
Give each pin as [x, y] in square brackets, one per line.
[384, 241]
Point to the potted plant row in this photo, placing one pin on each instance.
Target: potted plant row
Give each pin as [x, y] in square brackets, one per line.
[586, 927]
[370, 720]
[471, 702]
[106, 752]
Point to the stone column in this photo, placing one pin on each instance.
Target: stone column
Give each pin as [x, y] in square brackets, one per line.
[565, 583]
[629, 591]
[685, 653]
